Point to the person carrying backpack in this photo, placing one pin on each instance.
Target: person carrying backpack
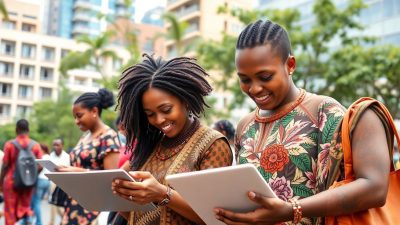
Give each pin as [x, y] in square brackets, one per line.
[17, 195]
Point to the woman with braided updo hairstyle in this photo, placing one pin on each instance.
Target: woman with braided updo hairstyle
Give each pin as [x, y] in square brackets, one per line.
[160, 103]
[293, 139]
[97, 149]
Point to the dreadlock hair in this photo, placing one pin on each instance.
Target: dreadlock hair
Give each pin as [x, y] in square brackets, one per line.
[181, 77]
[102, 99]
[265, 32]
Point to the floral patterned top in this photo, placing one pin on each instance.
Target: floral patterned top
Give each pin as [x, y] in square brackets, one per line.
[292, 152]
[89, 155]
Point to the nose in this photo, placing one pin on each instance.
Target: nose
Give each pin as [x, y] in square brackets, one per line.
[76, 121]
[160, 119]
[255, 88]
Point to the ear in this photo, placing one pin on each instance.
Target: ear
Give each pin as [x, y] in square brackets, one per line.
[95, 111]
[291, 64]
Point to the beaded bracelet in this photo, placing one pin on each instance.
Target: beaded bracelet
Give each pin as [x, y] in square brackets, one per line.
[297, 211]
[167, 198]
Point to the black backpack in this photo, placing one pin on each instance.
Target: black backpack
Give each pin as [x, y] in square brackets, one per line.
[26, 169]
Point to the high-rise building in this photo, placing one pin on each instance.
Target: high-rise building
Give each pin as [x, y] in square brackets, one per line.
[154, 17]
[29, 62]
[71, 18]
[379, 17]
[203, 20]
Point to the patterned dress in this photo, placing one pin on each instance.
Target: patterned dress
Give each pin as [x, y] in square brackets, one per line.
[291, 151]
[206, 149]
[89, 155]
[16, 202]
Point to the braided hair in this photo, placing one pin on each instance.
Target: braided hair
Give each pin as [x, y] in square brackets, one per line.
[181, 77]
[265, 32]
[102, 100]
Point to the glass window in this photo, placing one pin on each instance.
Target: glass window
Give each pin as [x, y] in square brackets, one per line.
[5, 89]
[46, 74]
[117, 64]
[8, 47]
[5, 110]
[45, 93]
[6, 69]
[25, 92]
[28, 27]
[26, 72]
[48, 54]
[28, 51]
[8, 24]
[23, 111]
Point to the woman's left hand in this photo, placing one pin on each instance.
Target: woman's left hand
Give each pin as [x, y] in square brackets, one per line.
[146, 189]
[272, 211]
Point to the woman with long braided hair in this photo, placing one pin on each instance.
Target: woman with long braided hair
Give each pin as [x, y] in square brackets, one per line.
[160, 103]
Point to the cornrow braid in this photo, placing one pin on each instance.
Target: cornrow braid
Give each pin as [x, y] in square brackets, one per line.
[181, 77]
[265, 32]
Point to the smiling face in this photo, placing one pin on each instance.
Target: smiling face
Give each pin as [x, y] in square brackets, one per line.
[264, 77]
[85, 118]
[165, 111]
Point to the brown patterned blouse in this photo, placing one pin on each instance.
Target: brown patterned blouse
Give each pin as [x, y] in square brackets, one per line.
[206, 149]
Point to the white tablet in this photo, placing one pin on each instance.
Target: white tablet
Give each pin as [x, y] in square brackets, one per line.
[225, 187]
[48, 164]
[92, 190]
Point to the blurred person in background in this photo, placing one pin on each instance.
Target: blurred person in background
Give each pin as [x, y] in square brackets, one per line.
[17, 201]
[97, 149]
[41, 188]
[228, 130]
[61, 158]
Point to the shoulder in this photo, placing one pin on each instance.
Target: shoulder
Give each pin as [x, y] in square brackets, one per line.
[245, 121]
[322, 101]
[109, 133]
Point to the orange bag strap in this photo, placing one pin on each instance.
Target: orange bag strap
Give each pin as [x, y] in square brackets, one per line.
[349, 123]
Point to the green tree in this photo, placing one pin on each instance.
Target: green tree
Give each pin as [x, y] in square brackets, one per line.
[311, 47]
[97, 50]
[176, 32]
[355, 71]
[3, 10]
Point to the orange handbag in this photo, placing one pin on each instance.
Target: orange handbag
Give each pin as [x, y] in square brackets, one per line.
[390, 213]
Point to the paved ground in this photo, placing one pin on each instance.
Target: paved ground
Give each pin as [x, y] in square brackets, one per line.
[46, 215]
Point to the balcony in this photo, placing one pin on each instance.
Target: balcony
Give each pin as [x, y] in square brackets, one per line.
[82, 4]
[80, 29]
[81, 16]
[187, 10]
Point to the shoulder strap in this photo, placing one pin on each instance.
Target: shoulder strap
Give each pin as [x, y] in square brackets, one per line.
[349, 123]
[19, 147]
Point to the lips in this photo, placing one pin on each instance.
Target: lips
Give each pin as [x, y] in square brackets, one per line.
[262, 99]
[166, 127]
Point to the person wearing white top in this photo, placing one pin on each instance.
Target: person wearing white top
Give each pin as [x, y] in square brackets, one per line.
[59, 157]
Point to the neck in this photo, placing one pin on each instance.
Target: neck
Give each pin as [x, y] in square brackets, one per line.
[189, 129]
[97, 128]
[290, 98]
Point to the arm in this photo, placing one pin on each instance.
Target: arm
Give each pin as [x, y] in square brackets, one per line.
[371, 165]
[150, 190]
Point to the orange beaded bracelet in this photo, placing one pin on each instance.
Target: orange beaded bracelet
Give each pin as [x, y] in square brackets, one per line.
[297, 211]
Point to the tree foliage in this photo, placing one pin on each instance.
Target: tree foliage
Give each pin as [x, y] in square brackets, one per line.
[329, 59]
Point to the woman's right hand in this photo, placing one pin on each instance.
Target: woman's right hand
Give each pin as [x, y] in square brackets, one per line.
[145, 190]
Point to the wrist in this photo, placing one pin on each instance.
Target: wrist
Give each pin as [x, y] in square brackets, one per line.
[166, 197]
[297, 214]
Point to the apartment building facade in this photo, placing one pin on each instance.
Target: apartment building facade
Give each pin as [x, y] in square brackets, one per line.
[29, 63]
[203, 20]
